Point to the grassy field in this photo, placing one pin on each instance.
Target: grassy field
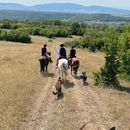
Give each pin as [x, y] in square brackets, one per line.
[21, 82]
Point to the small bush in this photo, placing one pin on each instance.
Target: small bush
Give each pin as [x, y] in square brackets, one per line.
[6, 25]
[15, 36]
[75, 43]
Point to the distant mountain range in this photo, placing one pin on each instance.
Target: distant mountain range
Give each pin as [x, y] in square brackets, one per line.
[63, 7]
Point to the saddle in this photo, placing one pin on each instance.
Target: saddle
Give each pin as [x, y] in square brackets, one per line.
[42, 57]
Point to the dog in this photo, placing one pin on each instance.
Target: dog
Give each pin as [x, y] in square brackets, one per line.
[84, 78]
[113, 128]
[58, 87]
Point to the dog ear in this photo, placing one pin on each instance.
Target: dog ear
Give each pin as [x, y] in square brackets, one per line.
[113, 128]
[83, 73]
[59, 78]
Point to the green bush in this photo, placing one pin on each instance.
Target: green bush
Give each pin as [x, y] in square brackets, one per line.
[15, 36]
[6, 25]
[75, 43]
[108, 73]
[36, 31]
[50, 34]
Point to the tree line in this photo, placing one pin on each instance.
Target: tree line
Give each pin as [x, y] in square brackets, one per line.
[48, 28]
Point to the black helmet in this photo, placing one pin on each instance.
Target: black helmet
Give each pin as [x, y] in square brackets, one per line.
[45, 45]
[72, 47]
[61, 45]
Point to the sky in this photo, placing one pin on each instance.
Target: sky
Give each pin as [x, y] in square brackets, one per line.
[109, 3]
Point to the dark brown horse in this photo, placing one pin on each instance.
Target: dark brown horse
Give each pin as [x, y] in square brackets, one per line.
[44, 61]
[74, 65]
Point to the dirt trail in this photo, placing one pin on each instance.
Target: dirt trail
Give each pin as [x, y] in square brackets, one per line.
[79, 109]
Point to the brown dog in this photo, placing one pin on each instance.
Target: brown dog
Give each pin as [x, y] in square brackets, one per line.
[58, 87]
[84, 78]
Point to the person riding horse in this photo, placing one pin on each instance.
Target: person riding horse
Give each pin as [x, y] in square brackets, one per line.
[44, 51]
[61, 53]
[72, 52]
[45, 58]
[72, 55]
[73, 61]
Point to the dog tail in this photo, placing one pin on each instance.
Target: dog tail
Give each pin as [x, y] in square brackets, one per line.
[55, 93]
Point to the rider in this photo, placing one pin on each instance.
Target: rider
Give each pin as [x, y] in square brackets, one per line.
[72, 52]
[61, 53]
[44, 52]
[72, 56]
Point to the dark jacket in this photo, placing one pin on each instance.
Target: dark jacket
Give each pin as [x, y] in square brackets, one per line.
[72, 53]
[44, 51]
[63, 52]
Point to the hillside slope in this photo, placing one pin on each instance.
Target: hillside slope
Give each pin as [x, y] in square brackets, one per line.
[27, 102]
[64, 7]
[32, 15]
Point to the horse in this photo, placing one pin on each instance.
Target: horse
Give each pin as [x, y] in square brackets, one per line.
[44, 61]
[63, 67]
[74, 65]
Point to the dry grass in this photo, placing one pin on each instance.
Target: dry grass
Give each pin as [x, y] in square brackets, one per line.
[21, 82]
[18, 82]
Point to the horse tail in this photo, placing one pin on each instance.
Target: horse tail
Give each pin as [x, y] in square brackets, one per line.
[64, 66]
[78, 63]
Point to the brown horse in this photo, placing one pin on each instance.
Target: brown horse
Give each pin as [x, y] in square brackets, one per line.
[74, 65]
[44, 61]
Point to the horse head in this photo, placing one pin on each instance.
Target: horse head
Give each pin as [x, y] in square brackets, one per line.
[49, 58]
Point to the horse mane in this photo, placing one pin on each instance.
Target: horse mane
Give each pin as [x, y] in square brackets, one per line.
[49, 53]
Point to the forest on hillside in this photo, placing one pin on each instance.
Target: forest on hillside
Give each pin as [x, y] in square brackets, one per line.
[77, 17]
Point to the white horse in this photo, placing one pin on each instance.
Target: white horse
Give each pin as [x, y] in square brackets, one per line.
[63, 67]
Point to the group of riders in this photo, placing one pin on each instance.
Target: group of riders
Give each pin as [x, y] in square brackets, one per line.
[61, 53]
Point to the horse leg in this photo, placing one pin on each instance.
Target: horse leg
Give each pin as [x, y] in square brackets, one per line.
[62, 76]
[46, 67]
[43, 68]
[40, 66]
[71, 70]
[59, 74]
[65, 75]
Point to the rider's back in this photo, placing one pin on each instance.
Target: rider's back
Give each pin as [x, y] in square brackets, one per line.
[63, 52]
[72, 53]
[44, 51]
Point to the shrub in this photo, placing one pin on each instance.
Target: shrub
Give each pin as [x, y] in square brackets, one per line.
[50, 34]
[36, 31]
[17, 36]
[108, 73]
[75, 43]
[6, 25]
